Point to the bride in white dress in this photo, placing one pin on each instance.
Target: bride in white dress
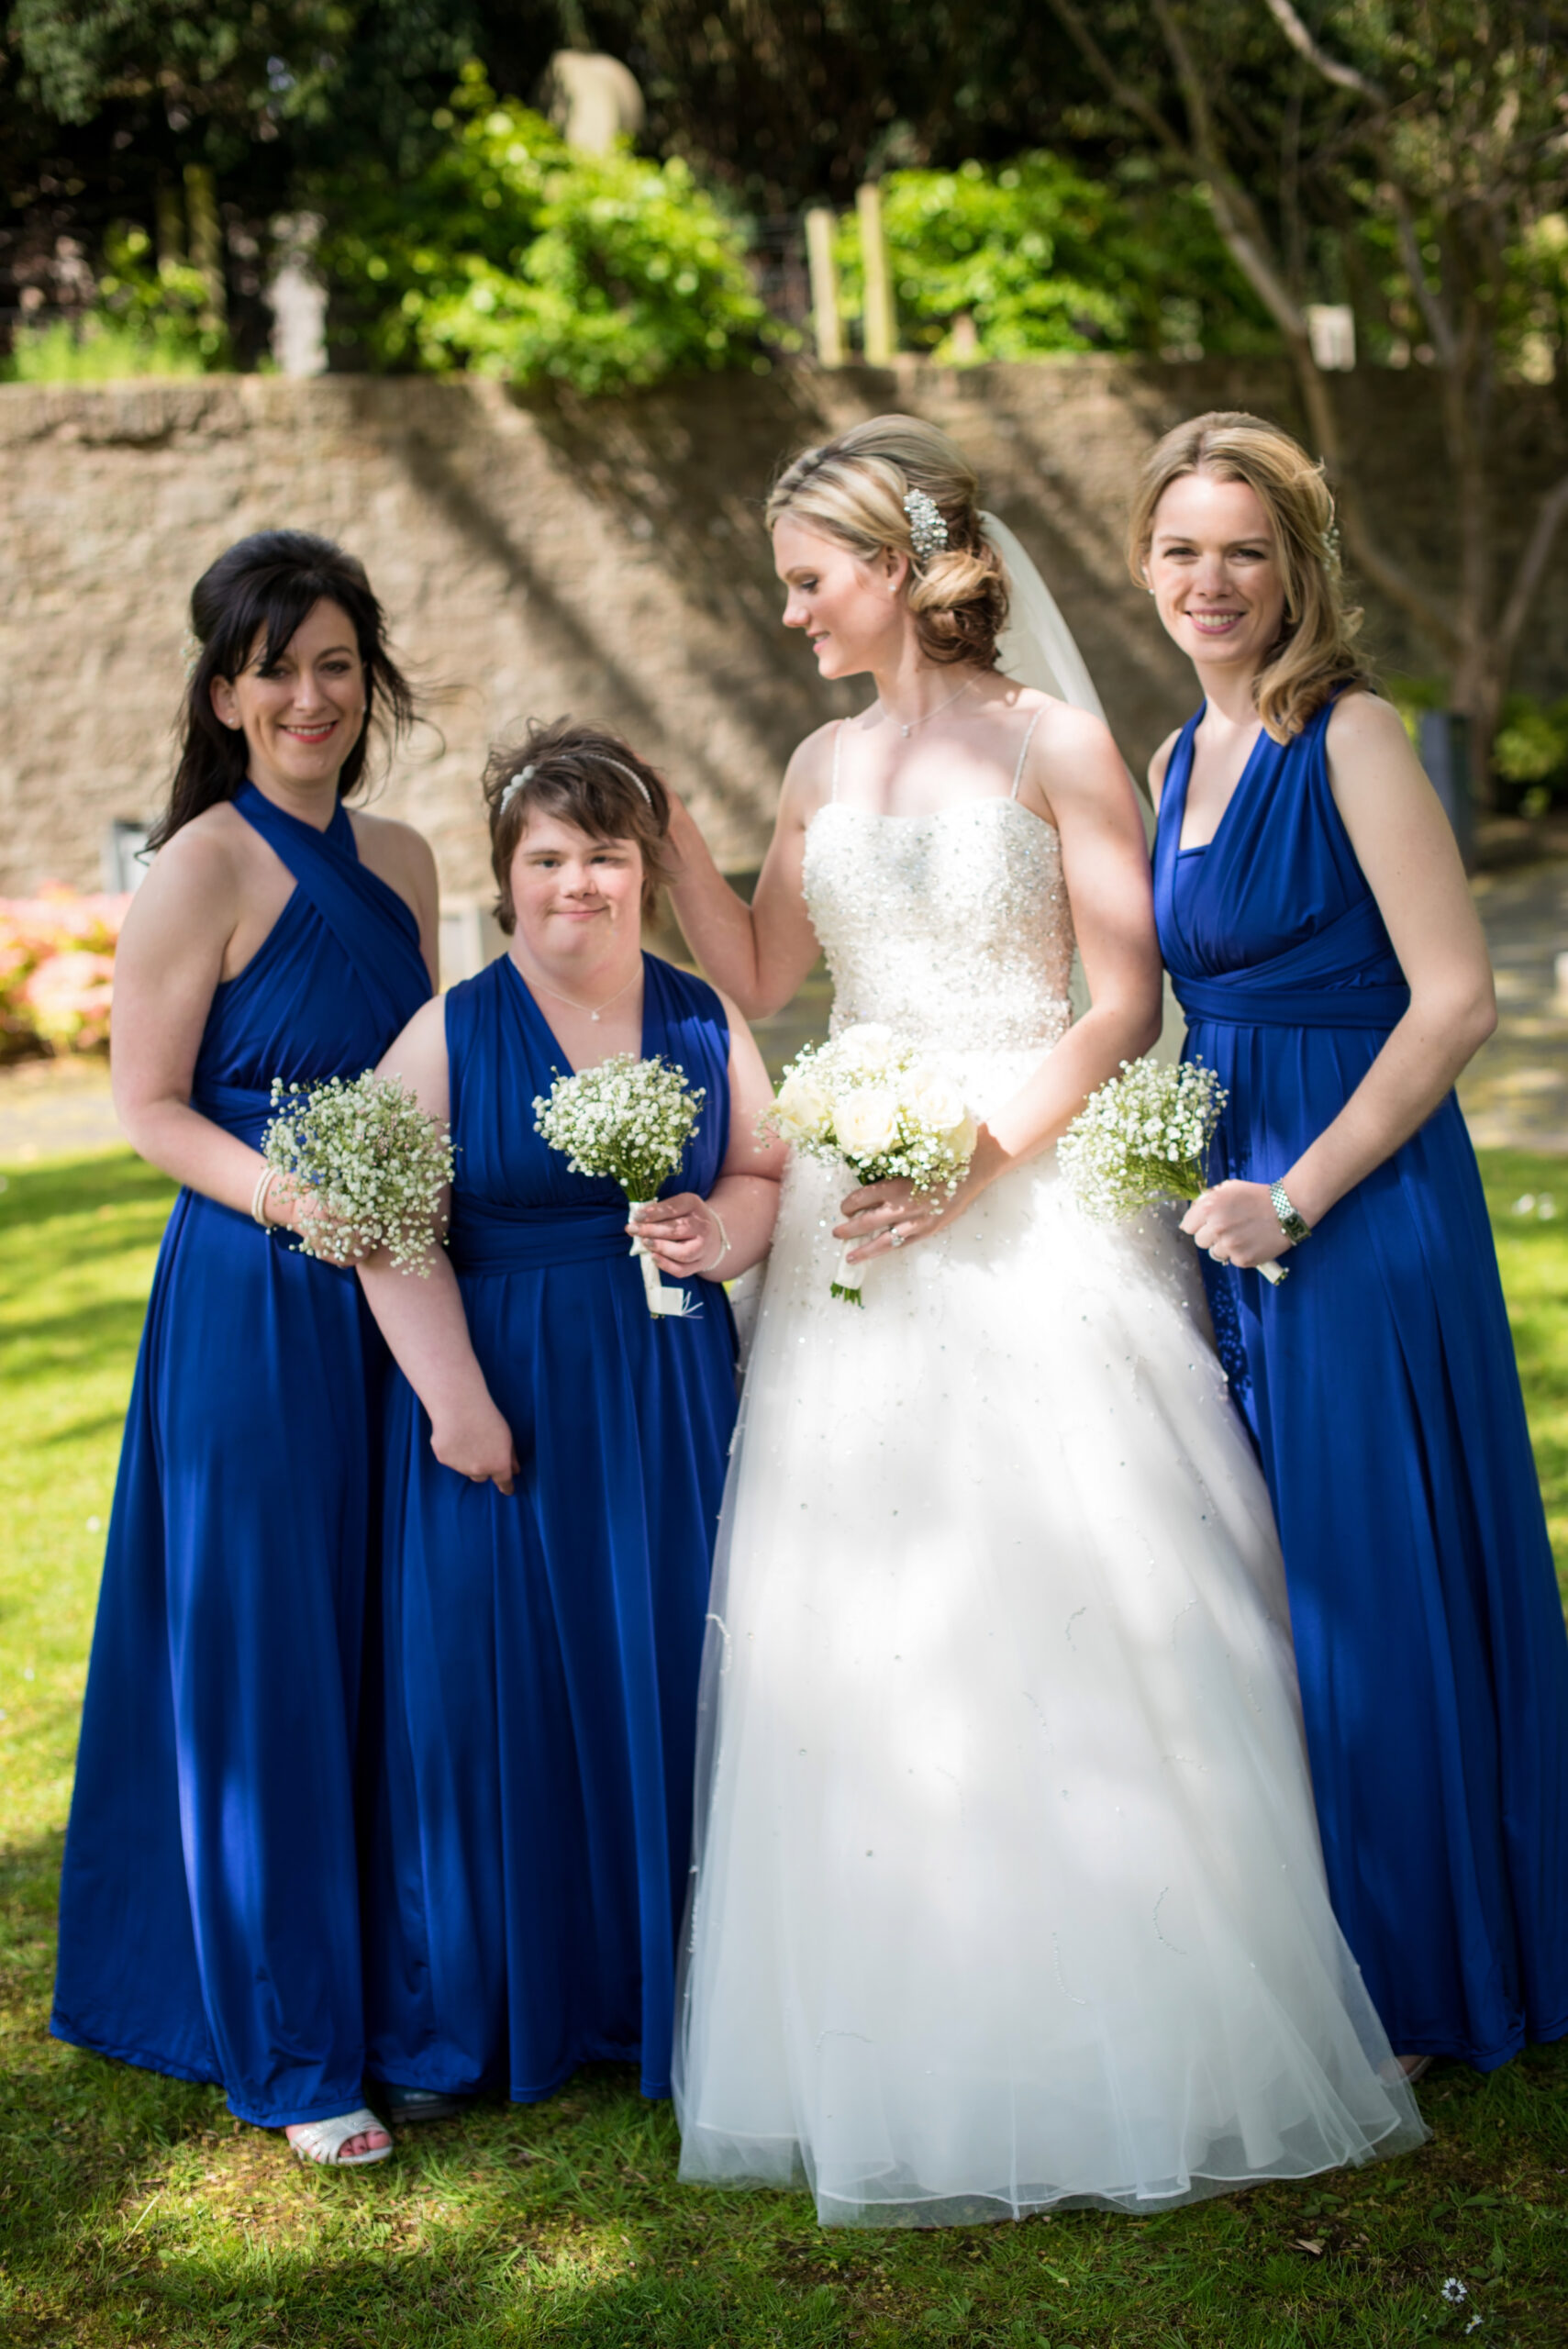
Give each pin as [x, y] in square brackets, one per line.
[1008, 1891]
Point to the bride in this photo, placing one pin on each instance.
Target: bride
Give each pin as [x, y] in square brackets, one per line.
[1008, 1891]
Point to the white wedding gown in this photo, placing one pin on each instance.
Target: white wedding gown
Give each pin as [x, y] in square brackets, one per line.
[1008, 1890]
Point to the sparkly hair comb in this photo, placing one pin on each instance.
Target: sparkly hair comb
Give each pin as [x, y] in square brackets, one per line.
[927, 531]
[525, 775]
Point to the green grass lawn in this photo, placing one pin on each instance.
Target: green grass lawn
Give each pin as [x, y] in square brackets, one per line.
[132, 2209]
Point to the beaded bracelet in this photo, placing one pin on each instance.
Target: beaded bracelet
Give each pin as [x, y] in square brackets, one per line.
[724, 1238]
[264, 1181]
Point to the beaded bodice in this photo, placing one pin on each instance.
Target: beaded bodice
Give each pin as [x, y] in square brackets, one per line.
[954, 930]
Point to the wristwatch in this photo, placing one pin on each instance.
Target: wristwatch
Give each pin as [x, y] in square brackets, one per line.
[1295, 1225]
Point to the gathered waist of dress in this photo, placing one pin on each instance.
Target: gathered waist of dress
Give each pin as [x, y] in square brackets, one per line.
[244, 1110]
[1232, 1003]
[494, 1236]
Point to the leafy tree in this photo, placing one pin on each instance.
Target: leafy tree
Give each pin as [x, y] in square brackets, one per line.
[1408, 156]
[1034, 257]
[518, 256]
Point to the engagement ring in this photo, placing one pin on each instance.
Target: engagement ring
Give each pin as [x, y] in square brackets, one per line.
[895, 1238]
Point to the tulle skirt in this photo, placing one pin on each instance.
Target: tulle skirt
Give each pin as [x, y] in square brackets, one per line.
[1008, 1890]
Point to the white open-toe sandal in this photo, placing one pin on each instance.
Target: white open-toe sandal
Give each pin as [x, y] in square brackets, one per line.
[323, 2141]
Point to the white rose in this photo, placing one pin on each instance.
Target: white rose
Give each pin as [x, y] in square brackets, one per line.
[961, 1139]
[866, 1045]
[803, 1107]
[935, 1100]
[866, 1121]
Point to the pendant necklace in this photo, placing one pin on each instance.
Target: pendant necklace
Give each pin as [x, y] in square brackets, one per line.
[907, 730]
[588, 1008]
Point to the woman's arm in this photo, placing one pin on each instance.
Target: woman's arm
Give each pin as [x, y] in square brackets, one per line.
[421, 1318]
[1078, 775]
[167, 967]
[732, 1229]
[758, 954]
[1405, 848]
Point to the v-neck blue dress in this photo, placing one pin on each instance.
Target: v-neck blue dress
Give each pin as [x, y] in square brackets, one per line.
[1380, 1383]
[531, 1745]
[208, 1922]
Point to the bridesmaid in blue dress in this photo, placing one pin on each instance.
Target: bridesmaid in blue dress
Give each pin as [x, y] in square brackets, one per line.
[209, 1921]
[555, 1463]
[1322, 942]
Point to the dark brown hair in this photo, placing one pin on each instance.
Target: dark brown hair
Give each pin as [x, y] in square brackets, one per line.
[852, 489]
[264, 586]
[587, 777]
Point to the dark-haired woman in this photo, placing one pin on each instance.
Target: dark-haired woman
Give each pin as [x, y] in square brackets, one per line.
[555, 1461]
[208, 1914]
[1323, 943]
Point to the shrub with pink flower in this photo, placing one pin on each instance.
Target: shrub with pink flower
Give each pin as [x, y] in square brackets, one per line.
[57, 967]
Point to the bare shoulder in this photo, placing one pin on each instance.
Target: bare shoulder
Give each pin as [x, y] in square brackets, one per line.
[420, 1055]
[200, 873]
[1073, 754]
[1363, 721]
[1160, 762]
[808, 778]
[393, 849]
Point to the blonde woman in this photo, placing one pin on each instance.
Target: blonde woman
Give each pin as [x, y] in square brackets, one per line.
[1008, 1891]
[1321, 939]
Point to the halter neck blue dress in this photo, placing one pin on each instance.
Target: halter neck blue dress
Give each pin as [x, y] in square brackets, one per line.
[208, 1920]
[532, 1760]
[1379, 1381]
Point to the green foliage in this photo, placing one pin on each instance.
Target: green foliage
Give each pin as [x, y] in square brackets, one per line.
[135, 2213]
[147, 320]
[1530, 749]
[521, 257]
[1039, 259]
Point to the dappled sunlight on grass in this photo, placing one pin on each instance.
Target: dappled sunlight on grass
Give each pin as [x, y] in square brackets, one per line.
[135, 2211]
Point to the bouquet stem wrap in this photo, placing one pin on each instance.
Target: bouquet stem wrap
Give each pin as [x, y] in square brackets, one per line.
[661, 1299]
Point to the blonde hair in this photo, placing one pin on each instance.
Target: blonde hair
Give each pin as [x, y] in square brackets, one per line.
[852, 490]
[1315, 654]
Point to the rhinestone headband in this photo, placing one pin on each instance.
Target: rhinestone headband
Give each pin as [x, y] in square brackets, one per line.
[927, 531]
[525, 775]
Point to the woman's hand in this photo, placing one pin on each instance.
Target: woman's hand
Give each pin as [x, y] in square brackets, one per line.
[878, 1211]
[302, 1211]
[682, 1235]
[1237, 1223]
[477, 1443]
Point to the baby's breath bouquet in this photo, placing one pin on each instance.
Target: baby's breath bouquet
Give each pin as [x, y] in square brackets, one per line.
[867, 1098]
[375, 1163]
[1144, 1136]
[631, 1120]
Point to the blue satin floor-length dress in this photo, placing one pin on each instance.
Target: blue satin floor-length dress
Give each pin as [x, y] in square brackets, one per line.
[208, 1915]
[1380, 1383]
[531, 1776]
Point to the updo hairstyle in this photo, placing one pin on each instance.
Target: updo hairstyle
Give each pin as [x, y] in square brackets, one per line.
[588, 778]
[1315, 654]
[852, 491]
[264, 588]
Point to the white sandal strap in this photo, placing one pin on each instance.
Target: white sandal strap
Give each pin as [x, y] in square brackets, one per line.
[323, 2141]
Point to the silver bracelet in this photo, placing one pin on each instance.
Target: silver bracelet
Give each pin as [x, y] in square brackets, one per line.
[724, 1238]
[264, 1181]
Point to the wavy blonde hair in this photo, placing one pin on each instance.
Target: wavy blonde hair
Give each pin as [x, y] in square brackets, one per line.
[852, 490]
[1315, 654]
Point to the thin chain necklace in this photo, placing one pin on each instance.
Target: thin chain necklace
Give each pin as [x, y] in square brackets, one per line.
[907, 730]
[588, 1008]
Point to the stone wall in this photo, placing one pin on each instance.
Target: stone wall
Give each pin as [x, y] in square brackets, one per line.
[608, 561]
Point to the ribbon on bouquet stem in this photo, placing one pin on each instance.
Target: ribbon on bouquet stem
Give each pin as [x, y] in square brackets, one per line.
[663, 1302]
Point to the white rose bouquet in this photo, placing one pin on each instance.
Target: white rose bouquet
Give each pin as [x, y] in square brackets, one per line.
[372, 1160]
[1143, 1136]
[631, 1120]
[867, 1098]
